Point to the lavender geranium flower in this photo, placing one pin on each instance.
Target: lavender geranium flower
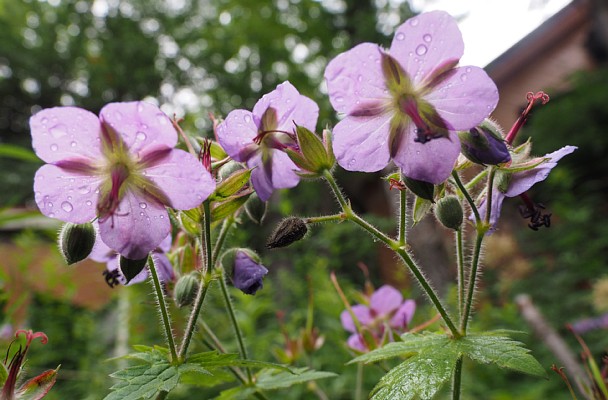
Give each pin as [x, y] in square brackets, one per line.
[121, 168]
[258, 137]
[405, 103]
[113, 275]
[520, 182]
[387, 313]
[247, 273]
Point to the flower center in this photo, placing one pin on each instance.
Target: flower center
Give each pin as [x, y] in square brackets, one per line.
[112, 190]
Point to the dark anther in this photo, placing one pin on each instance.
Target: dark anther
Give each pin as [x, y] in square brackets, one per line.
[536, 216]
[112, 277]
[425, 135]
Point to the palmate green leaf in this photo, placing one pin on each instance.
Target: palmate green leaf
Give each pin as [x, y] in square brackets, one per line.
[214, 359]
[144, 381]
[431, 359]
[271, 379]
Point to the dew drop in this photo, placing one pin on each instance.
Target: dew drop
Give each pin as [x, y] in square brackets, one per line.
[339, 99]
[141, 213]
[414, 22]
[463, 77]
[400, 36]
[66, 206]
[84, 190]
[49, 204]
[247, 119]
[54, 147]
[89, 203]
[351, 163]
[143, 205]
[58, 131]
[118, 115]
[162, 119]
[427, 38]
[468, 70]
[52, 215]
[140, 136]
[44, 121]
[140, 107]
[360, 78]
[162, 217]
[73, 144]
[69, 198]
[421, 50]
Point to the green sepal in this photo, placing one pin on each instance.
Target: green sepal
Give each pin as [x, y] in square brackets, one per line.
[229, 206]
[313, 156]
[524, 166]
[423, 189]
[130, 268]
[421, 208]
[39, 386]
[231, 185]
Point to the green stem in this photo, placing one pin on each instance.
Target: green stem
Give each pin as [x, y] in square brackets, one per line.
[402, 217]
[482, 228]
[393, 245]
[162, 306]
[467, 196]
[325, 218]
[203, 284]
[221, 238]
[359, 387]
[162, 395]
[461, 277]
[235, 325]
[456, 380]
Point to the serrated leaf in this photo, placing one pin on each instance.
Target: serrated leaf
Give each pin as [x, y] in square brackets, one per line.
[411, 343]
[214, 359]
[144, 381]
[205, 378]
[232, 184]
[502, 351]
[272, 379]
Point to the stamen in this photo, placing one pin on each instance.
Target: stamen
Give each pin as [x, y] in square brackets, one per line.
[112, 278]
[532, 211]
[397, 184]
[532, 98]
[205, 155]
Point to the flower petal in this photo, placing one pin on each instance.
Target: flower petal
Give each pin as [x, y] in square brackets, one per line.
[101, 252]
[432, 161]
[277, 173]
[236, 132]
[522, 181]
[65, 195]
[133, 230]
[360, 143]
[65, 132]
[404, 315]
[355, 342]
[291, 107]
[385, 300]
[140, 125]
[426, 43]
[183, 179]
[362, 313]
[464, 98]
[355, 77]
[497, 200]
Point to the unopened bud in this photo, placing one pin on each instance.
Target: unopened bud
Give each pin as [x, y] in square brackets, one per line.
[76, 241]
[131, 268]
[248, 271]
[256, 209]
[484, 144]
[186, 289]
[288, 231]
[448, 211]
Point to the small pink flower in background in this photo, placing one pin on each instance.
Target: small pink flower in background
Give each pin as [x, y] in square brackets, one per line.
[103, 254]
[121, 168]
[386, 314]
[404, 104]
[258, 137]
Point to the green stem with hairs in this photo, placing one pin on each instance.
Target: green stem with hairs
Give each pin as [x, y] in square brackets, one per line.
[162, 306]
[396, 247]
[402, 217]
[461, 277]
[467, 196]
[457, 379]
[325, 218]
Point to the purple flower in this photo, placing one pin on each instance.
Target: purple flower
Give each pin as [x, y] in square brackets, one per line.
[121, 168]
[405, 104]
[386, 313]
[258, 137]
[103, 254]
[248, 273]
[518, 183]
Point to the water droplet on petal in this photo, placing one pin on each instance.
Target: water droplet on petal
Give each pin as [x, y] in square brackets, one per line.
[143, 205]
[54, 147]
[414, 22]
[58, 131]
[339, 99]
[52, 215]
[73, 144]
[118, 115]
[89, 203]
[400, 36]
[140, 136]
[468, 70]
[140, 107]
[44, 121]
[463, 77]
[141, 213]
[66, 206]
[427, 38]
[49, 204]
[247, 119]
[84, 189]
[421, 50]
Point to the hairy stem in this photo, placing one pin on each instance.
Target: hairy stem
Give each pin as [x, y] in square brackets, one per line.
[467, 196]
[162, 306]
[461, 277]
[456, 380]
[402, 237]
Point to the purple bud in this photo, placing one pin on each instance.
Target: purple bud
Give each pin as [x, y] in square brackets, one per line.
[484, 144]
[248, 273]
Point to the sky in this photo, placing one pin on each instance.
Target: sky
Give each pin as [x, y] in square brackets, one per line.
[490, 27]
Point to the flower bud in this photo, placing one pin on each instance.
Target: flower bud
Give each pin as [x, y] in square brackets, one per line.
[256, 209]
[484, 144]
[314, 155]
[289, 230]
[248, 272]
[448, 211]
[131, 268]
[422, 189]
[186, 289]
[76, 241]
